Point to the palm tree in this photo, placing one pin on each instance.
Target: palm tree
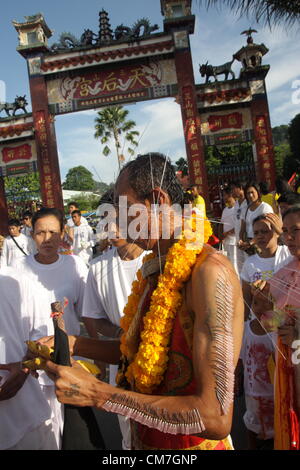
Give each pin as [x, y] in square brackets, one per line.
[267, 11]
[111, 123]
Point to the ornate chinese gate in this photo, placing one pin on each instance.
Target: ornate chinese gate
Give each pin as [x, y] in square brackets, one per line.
[130, 65]
[235, 112]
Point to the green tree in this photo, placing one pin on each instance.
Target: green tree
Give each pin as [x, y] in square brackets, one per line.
[282, 155]
[267, 11]
[79, 178]
[112, 124]
[292, 164]
[86, 202]
[280, 134]
[182, 165]
[22, 186]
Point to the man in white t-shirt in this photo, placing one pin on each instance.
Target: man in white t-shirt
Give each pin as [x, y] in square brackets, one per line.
[72, 206]
[240, 208]
[228, 236]
[16, 246]
[108, 287]
[25, 422]
[84, 239]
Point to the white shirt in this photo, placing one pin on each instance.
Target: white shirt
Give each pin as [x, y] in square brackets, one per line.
[11, 255]
[83, 242]
[26, 230]
[108, 286]
[71, 223]
[227, 220]
[65, 278]
[263, 208]
[256, 267]
[255, 354]
[239, 215]
[21, 307]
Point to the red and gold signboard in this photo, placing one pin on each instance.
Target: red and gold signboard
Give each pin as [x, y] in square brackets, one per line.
[225, 121]
[46, 172]
[264, 149]
[106, 86]
[193, 137]
[21, 152]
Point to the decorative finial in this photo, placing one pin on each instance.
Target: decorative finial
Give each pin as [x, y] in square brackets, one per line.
[249, 33]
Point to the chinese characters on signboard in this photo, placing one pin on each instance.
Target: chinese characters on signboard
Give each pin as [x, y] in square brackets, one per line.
[45, 165]
[264, 150]
[21, 152]
[225, 121]
[192, 135]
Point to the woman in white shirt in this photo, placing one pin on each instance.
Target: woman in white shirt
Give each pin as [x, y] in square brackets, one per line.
[271, 257]
[255, 208]
[60, 277]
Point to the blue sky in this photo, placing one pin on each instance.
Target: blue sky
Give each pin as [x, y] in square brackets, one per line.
[217, 37]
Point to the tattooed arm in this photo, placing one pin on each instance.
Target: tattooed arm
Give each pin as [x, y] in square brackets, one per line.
[215, 297]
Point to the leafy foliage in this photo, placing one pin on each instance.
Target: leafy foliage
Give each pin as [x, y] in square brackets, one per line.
[79, 178]
[22, 187]
[265, 11]
[112, 124]
[86, 202]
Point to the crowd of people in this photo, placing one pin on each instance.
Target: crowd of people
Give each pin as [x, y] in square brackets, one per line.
[178, 327]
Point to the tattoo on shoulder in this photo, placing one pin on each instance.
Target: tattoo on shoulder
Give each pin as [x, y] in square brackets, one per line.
[73, 392]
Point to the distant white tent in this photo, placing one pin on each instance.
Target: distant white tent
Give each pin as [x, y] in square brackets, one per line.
[68, 195]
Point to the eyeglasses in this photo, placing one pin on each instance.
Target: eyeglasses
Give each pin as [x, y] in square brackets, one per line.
[238, 214]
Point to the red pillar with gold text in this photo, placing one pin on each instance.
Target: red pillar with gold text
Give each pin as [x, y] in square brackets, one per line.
[190, 115]
[47, 155]
[3, 210]
[265, 169]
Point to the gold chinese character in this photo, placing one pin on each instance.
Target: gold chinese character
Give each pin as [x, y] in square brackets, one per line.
[232, 121]
[138, 77]
[110, 83]
[10, 155]
[192, 126]
[84, 87]
[261, 123]
[199, 180]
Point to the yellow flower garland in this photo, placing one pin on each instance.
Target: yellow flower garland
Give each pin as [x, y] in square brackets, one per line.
[147, 369]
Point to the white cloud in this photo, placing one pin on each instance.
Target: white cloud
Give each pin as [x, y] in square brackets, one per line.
[160, 126]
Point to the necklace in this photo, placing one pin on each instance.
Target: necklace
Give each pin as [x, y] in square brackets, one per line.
[144, 368]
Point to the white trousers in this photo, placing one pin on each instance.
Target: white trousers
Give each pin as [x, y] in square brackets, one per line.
[57, 412]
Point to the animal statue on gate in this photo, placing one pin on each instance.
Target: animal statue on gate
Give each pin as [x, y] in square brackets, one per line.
[213, 71]
[19, 103]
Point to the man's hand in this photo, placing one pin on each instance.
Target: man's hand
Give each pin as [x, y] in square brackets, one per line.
[49, 341]
[243, 245]
[14, 381]
[275, 222]
[75, 386]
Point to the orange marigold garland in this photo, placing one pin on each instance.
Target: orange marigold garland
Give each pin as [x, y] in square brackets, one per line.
[147, 369]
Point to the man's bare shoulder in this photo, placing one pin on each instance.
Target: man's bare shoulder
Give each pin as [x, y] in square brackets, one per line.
[212, 263]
